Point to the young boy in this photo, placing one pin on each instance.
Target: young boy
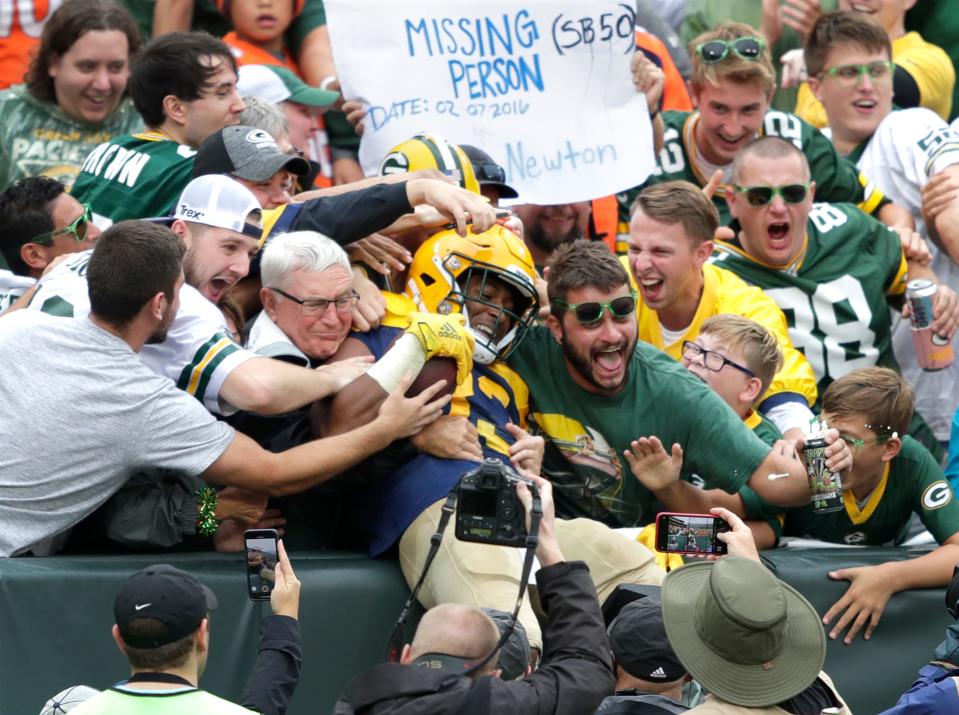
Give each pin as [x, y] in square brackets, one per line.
[892, 476]
[258, 30]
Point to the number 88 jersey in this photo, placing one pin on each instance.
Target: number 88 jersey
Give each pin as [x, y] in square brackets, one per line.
[835, 295]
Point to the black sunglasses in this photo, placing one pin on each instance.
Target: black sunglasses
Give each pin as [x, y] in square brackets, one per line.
[762, 195]
[490, 172]
[748, 48]
[592, 312]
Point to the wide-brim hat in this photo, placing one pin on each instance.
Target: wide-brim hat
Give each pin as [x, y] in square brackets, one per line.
[746, 636]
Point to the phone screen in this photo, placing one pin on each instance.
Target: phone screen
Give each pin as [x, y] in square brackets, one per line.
[261, 558]
[690, 534]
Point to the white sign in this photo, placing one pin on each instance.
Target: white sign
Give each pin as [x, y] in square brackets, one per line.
[542, 86]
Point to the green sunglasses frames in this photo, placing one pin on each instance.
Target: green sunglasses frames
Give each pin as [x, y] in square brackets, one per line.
[591, 312]
[748, 48]
[77, 228]
[762, 195]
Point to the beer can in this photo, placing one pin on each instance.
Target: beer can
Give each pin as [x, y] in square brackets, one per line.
[825, 486]
[933, 352]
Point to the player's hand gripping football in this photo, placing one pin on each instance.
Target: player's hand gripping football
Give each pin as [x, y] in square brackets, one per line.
[446, 336]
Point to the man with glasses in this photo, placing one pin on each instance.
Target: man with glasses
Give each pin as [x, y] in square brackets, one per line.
[830, 268]
[597, 393]
[848, 55]
[670, 240]
[40, 222]
[732, 84]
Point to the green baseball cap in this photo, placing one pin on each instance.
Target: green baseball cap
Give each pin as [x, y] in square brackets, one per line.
[278, 84]
[746, 636]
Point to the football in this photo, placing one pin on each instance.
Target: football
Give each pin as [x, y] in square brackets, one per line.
[436, 369]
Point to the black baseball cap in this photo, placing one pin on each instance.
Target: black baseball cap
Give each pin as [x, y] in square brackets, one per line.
[488, 172]
[638, 639]
[246, 152]
[164, 593]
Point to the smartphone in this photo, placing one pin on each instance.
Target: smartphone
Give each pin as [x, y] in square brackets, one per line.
[690, 534]
[262, 554]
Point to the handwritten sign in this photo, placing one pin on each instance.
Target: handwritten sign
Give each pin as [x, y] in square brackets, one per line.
[542, 86]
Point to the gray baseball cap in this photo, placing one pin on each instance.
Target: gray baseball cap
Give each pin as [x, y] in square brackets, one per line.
[247, 153]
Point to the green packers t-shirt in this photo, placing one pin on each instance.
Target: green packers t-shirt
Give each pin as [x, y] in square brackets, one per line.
[912, 482]
[133, 176]
[586, 434]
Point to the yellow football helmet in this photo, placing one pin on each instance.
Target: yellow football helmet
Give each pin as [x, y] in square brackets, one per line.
[431, 151]
[450, 272]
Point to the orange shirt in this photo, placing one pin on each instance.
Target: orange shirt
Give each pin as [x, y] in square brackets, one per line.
[246, 53]
[675, 94]
[20, 25]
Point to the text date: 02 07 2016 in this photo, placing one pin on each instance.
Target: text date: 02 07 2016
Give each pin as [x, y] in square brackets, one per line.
[380, 116]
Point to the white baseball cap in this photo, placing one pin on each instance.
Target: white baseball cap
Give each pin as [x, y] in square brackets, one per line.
[218, 201]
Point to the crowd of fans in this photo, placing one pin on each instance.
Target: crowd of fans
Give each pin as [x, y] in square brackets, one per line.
[228, 326]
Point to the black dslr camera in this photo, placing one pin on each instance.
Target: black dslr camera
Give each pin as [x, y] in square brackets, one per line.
[488, 510]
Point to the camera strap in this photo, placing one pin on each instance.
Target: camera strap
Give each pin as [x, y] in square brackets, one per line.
[395, 644]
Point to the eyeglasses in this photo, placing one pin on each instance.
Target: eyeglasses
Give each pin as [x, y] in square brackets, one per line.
[748, 48]
[851, 75]
[762, 195]
[490, 172]
[78, 229]
[856, 443]
[590, 313]
[318, 306]
[712, 360]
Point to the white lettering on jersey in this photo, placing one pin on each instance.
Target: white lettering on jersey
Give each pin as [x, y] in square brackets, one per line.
[671, 156]
[816, 330]
[787, 126]
[826, 217]
[25, 11]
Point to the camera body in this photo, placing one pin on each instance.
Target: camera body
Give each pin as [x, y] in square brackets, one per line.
[488, 511]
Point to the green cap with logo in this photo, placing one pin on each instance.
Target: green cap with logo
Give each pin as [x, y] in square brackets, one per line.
[747, 637]
[278, 84]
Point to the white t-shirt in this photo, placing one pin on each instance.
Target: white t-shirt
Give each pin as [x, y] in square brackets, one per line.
[198, 354]
[908, 147]
[81, 414]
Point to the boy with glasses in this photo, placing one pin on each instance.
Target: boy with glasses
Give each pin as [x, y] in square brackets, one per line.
[848, 55]
[732, 84]
[892, 477]
[670, 241]
[41, 221]
[830, 268]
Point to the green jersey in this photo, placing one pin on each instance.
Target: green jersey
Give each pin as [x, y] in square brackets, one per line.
[837, 179]
[134, 176]
[120, 700]
[835, 293]
[39, 139]
[586, 434]
[911, 482]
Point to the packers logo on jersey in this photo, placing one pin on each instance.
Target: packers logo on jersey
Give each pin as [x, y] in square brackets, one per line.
[856, 537]
[937, 495]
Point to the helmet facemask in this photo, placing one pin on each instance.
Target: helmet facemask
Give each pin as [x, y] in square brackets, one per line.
[497, 329]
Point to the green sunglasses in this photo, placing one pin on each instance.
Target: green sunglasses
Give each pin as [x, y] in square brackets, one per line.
[78, 229]
[762, 195]
[851, 75]
[591, 312]
[748, 48]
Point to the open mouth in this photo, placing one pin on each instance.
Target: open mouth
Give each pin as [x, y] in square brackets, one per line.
[864, 105]
[486, 329]
[778, 233]
[609, 362]
[859, 7]
[651, 288]
[217, 288]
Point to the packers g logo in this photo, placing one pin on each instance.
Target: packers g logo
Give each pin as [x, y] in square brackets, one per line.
[856, 537]
[395, 163]
[937, 495]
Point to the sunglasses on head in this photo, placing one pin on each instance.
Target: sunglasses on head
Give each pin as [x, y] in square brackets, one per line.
[592, 312]
[748, 48]
[77, 228]
[762, 195]
[490, 172]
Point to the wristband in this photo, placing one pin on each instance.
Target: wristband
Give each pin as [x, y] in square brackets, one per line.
[327, 81]
[206, 521]
[406, 355]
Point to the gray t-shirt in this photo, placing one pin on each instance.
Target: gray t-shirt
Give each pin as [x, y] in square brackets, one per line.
[80, 414]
